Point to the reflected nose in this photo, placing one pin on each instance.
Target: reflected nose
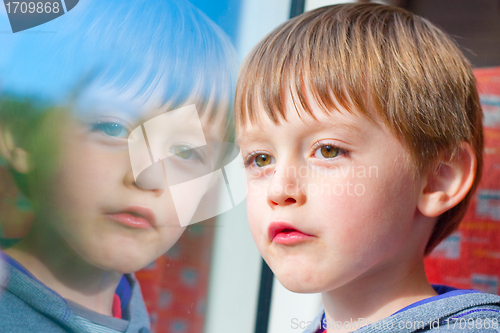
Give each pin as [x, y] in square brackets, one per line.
[152, 179]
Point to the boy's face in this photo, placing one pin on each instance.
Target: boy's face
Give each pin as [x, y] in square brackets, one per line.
[330, 201]
[92, 202]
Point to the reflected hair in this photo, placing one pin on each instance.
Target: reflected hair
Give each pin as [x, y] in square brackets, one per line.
[166, 50]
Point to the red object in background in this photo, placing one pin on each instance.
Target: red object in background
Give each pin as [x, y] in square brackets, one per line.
[175, 286]
[470, 257]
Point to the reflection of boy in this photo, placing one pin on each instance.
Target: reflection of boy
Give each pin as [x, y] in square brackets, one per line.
[354, 88]
[105, 68]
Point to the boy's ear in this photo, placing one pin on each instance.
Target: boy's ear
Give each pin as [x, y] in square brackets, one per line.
[448, 184]
[17, 157]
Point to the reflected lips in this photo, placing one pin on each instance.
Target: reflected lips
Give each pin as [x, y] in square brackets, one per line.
[286, 234]
[135, 217]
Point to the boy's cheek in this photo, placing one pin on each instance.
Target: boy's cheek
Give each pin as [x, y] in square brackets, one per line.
[256, 215]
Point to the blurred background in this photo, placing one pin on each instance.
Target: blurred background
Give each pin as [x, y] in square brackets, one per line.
[214, 280]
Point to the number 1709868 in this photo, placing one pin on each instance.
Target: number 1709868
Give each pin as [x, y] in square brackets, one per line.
[32, 7]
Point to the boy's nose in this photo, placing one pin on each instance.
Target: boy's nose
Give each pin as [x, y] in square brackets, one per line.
[285, 189]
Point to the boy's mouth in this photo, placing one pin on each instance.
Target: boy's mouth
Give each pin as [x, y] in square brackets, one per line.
[285, 233]
[136, 217]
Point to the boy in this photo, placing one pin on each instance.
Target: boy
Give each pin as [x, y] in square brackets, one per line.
[360, 128]
[73, 91]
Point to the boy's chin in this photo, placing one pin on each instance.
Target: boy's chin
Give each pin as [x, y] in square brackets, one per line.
[301, 284]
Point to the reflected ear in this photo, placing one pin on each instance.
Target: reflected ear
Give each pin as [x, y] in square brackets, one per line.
[17, 157]
[449, 183]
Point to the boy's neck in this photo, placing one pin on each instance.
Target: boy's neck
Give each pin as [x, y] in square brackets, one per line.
[73, 279]
[376, 297]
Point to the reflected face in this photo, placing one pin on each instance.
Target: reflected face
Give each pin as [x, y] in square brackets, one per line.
[330, 200]
[92, 202]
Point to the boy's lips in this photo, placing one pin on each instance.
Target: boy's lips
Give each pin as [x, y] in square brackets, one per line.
[136, 217]
[285, 233]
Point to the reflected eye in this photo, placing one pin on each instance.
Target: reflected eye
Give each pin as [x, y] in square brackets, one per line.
[110, 129]
[183, 152]
[328, 151]
[187, 152]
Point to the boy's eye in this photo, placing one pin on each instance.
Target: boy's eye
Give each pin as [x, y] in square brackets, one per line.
[262, 160]
[327, 152]
[111, 129]
[259, 159]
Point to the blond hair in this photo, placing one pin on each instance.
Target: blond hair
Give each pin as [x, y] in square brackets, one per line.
[379, 60]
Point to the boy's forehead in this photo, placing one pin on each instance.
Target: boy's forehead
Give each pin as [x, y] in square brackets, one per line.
[301, 123]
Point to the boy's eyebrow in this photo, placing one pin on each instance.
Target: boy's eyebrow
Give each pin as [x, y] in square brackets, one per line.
[256, 135]
[348, 127]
